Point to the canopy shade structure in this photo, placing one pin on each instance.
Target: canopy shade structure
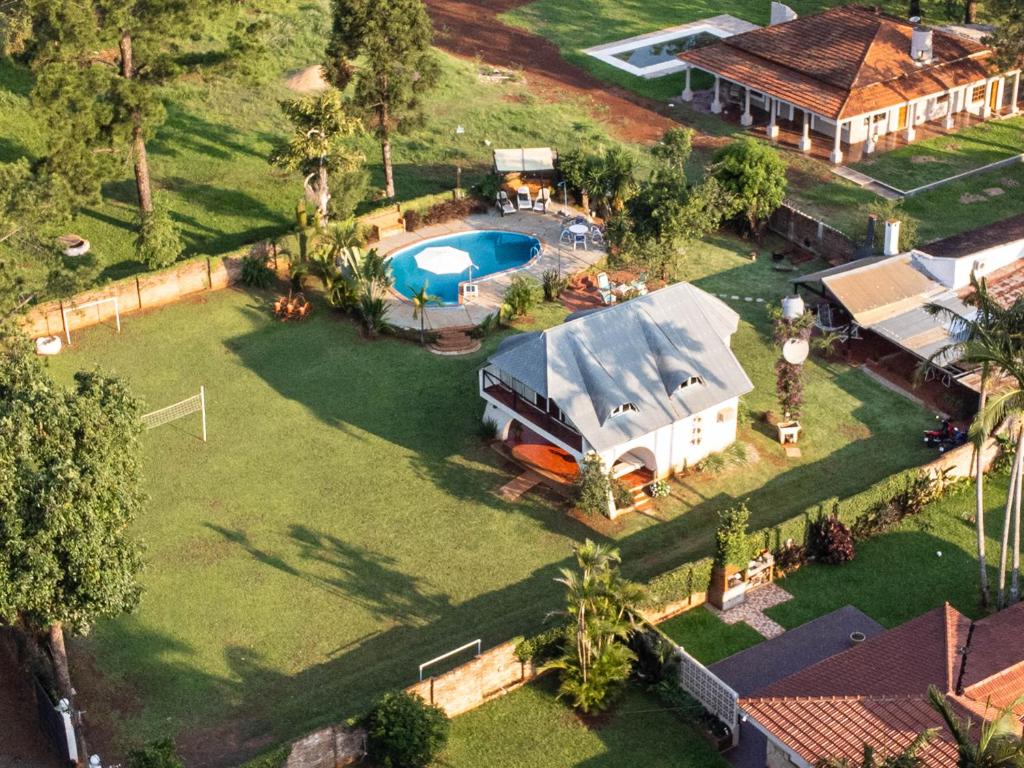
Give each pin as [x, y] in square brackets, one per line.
[523, 160]
[443, 260]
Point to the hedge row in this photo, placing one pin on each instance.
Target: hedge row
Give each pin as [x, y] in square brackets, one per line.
[696, 576]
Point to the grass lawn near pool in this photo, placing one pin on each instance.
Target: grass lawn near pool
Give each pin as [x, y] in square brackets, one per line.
[209, 160]
[529, 728]
[341, 525]
[934, 159]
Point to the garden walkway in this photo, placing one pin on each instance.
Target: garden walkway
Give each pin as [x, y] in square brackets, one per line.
[545, 226]
[752, 610]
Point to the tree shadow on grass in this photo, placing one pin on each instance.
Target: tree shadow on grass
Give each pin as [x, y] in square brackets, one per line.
[186, 131]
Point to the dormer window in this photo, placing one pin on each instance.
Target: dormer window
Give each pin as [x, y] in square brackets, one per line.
[624, 408]
[691, 382]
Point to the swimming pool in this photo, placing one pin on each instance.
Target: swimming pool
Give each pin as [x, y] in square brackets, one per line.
[659, 53]
[490, 251]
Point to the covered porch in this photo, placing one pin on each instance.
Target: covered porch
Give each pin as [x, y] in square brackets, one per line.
[850, 139]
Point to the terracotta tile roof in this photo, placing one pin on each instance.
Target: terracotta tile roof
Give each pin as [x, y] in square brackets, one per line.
[841, 726]
[876, 692]
[843, 62]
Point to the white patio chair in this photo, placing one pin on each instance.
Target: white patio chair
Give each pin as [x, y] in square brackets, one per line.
[579, 239]
[565, 237]
[523, 200]
[597, 235]
[604, 288]
[504, 203]
[543, 198]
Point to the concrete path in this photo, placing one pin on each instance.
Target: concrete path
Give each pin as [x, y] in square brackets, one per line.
[752, 610]
[863, 180]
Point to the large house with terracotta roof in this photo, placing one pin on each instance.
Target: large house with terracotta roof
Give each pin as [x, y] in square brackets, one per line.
[876, 692]
[853, 75]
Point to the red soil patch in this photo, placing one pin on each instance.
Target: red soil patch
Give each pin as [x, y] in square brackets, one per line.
[471, 28]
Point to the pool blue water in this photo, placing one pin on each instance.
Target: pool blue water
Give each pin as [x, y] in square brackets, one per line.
[490, 252]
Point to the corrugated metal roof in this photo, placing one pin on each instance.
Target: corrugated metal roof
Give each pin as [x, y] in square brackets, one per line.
[637, 352]
[886, 288]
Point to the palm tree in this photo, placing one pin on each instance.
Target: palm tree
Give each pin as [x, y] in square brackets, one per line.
[999, 743]
[908, 758]
[972, 331]
[420, 299]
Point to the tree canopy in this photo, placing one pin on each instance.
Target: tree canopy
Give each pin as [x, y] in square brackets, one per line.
[754, 176]
[383, 48]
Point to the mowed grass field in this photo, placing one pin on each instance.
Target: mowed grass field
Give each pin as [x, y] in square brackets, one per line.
[341, 525]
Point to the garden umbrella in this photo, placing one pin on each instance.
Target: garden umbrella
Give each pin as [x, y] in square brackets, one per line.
[443, 260]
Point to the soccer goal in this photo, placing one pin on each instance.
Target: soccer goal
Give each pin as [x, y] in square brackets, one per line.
[186, 407]
[65, 311]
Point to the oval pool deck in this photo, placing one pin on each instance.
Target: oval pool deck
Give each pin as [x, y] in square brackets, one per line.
[545, 226]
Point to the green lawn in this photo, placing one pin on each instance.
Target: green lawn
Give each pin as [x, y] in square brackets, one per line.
[938, 158]
[901, 574]
[706, 637]
[529, 728]
[340, 526]
[209, 161]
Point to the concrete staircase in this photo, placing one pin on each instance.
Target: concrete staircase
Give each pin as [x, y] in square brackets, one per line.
[454, 342]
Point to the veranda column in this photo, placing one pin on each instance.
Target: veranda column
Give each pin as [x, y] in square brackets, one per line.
[950, 109]
[805, 139]
[716, 104]
[1015, 94]
[746, 119]
[773, 129]
[911, 118]
[986, 107]
[837, 154]
[687, 91]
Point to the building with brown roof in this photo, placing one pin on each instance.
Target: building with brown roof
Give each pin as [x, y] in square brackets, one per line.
[855, 74]
[877, 691]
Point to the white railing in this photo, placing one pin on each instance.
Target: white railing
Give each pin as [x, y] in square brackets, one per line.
[448, 655]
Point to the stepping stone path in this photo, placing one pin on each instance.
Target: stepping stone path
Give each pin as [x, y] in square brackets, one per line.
[752, 611]
[512, 490]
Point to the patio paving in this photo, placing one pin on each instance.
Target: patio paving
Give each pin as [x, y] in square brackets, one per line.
[748, 671]
[544, 226]
[751, 611]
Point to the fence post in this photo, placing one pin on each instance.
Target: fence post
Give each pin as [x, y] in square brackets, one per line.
[138, 292]
[209, 275]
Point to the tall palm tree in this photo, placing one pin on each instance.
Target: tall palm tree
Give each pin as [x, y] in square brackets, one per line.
[999, 744]
[979, 328]
[420, 299]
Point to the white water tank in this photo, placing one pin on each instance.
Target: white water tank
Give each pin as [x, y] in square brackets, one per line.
[792, 306]
[921, 44]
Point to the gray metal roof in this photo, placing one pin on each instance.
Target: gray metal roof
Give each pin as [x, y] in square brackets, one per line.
[638, 352]
[923, 334]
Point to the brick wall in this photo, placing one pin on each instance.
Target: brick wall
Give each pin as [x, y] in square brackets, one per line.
[808, 232]
[134, 294]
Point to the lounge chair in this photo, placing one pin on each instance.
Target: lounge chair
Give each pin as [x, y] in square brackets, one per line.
[523, 200]
[543, 198]
[578, 240]
[504, 204]
[604, 288]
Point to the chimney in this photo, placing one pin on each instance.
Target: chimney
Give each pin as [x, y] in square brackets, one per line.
[892, 238]
[921, 44]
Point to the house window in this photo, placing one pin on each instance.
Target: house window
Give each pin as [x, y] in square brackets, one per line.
[624, 408]
[977, 94]
[692, 381]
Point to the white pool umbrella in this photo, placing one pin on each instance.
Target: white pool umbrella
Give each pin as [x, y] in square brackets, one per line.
[443, 260]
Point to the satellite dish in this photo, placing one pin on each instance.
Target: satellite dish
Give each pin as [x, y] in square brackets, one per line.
[795, 351]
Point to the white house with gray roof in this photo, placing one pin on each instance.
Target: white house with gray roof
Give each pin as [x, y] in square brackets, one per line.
[651, 382]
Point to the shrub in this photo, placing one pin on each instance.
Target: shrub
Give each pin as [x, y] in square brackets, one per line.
[732, 542]
[158, 243]
[413, 220]
[592, 486]
[887, 210]
[679, 583]
[547, 645]
[828, 540]
[255, 272]
[753, 174]
[487, 326]
[522, 295]
[789, 558]
[159, 753]
[373, 314]
[553, 284]
[658, 489]
[622, 496]
[403, 731]
[488, 429]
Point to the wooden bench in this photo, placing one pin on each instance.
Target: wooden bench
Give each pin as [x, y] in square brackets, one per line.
[385, 223]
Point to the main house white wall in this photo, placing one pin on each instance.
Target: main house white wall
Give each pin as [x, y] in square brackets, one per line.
[677, 446]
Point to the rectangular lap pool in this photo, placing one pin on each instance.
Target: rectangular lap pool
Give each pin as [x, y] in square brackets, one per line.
[654, 54]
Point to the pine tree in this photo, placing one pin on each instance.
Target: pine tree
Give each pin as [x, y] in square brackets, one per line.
[383, 48]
